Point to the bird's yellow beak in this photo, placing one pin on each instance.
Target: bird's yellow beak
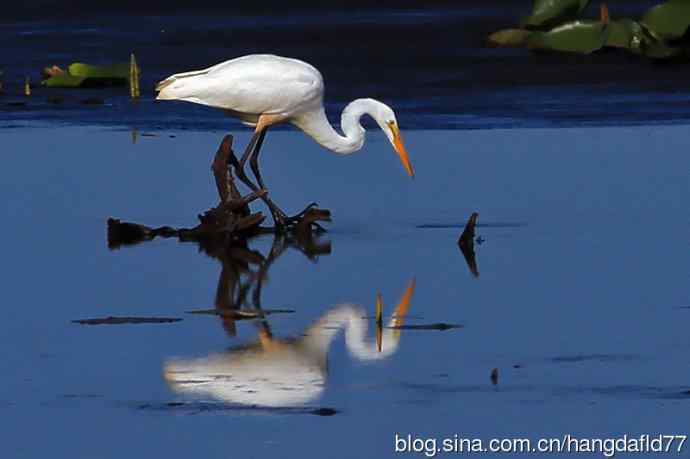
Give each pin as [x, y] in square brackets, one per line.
[404, 305]
[400, 148]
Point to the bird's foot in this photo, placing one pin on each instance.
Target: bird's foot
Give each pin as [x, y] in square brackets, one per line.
[284, 222]
[298, 217]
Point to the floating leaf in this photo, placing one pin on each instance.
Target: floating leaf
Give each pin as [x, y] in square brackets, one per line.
[113, 72]
[509, 37]
[657, 49]
[625, 33]
[64, 80]
[547, 13]
[634, 37]
[669, 20]
[80, 75]
[583, 37]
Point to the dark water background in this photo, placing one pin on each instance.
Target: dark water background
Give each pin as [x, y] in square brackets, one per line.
[431, 64]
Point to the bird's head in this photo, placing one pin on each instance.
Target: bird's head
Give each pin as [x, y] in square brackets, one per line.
[389, 125]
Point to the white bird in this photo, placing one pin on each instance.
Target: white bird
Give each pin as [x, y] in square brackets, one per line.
[262, 90]
[286, 372]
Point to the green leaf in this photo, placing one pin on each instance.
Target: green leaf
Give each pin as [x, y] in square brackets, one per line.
[669, 20]
[509, 37]
[64, 80]
[113, 72]
[583, 37]
[625, 33]
[547, 13]
[657, 49]
[633, 36]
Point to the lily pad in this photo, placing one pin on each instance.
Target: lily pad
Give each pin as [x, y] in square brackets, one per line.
[547, 13]
[657, 49]
[625, 33]
[112, 72]
[509, 37]
[64, 80]
[85, 75]
[582, 37]
[669, 20]
[636, 38]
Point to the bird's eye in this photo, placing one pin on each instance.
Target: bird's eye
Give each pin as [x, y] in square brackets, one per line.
[390, 123]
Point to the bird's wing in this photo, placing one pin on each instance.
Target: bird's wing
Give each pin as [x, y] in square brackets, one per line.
[252, 84]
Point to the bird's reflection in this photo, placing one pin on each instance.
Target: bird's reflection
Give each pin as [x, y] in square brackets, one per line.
[286, 372]
[270, 372]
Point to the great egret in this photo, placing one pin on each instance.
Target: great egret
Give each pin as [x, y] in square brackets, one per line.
[285, 372]
[262, 90]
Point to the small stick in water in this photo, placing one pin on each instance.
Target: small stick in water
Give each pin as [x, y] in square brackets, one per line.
[466, 243]
[494, 376]
[379, 321]
[110, 320]
[134, 91]
[467, 235]
[604, 14]
[379, 309]
[27, 87]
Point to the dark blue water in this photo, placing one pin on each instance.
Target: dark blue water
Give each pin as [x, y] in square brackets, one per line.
[577, 166]
[581, 301]
[432, 65]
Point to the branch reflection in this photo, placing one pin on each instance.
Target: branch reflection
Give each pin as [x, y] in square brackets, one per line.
[286, 372]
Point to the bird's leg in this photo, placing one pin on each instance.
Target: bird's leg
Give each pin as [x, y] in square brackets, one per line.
[254, 164]
[254, 146]
[254, 159]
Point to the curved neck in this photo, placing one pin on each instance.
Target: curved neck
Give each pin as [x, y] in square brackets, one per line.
[353, 319]
[315, 124]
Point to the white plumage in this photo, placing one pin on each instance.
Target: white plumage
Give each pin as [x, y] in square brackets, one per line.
[286, 372]
[263, 89]
[250, 86]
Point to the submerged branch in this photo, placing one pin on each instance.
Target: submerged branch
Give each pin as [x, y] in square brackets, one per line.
[126, 320]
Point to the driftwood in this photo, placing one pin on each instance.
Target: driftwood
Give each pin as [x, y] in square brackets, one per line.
[440, 326]
[231, 219]
[466, 243]
[224, 233]
[243, 270]
[195, 407]
[127, 320]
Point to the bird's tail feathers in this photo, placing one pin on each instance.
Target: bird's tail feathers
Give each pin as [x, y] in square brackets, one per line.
[168, 82]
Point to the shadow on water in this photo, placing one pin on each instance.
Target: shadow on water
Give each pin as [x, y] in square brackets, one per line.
[244, 272]
[618, 391]
[466, 244]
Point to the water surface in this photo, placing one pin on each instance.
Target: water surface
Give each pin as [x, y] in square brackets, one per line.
[431, 64]
[581, 300]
